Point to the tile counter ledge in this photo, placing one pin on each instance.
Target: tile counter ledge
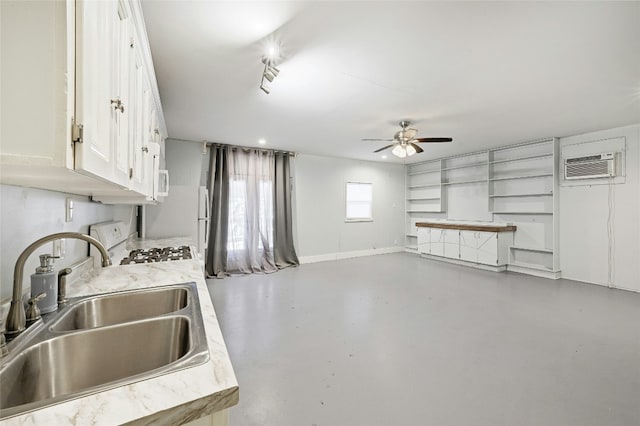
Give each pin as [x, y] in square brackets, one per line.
[202, 392]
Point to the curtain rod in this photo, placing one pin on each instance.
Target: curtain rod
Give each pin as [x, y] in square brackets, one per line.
[291, 154]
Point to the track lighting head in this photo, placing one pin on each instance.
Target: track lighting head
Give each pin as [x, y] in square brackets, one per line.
[273, 70]
[268, 76]
[264, 89]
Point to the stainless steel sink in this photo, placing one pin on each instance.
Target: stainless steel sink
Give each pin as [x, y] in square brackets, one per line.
[56, 362]
[119, 308]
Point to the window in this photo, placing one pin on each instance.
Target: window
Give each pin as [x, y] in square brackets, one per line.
[240, 235]
[359, 202]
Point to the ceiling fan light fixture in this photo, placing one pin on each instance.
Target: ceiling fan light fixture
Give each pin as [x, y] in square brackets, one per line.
[399, 151]
[410, 150]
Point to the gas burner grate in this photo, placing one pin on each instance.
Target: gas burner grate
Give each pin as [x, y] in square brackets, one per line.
[157, 254]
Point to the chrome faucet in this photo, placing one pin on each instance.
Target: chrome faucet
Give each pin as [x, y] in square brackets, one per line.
[16, 320]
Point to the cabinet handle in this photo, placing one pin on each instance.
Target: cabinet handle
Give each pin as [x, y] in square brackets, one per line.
[145, 149]
[118, 105]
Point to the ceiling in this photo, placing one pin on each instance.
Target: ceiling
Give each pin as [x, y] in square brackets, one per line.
[484, 73]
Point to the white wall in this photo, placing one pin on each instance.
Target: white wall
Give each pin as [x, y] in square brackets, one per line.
[27, 214]
[319, 187]
[186, 163]
[584, 241]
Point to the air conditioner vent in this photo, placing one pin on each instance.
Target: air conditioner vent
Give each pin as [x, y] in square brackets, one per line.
[593, 166]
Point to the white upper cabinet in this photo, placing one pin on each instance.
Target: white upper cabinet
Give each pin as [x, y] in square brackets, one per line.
[101, 95]
[81, 98]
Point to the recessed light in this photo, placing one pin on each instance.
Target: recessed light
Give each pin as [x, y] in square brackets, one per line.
[262, 141]
[384, 157]
[273, 52]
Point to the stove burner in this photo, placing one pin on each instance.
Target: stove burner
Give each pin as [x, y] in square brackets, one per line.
[157, 255]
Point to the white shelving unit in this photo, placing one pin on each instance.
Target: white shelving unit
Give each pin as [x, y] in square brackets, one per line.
[516, 184]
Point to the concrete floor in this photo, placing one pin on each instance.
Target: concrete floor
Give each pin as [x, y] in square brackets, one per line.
[398, 340]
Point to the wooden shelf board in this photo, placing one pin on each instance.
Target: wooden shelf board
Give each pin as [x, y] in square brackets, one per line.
[412, 247]
[522, 177]
[423, 173]
[531, 266]
[412, 235]
[424, 211]
[427, 185]
[466, 166]
[423, 198]
[530, 157]
[541, 250]
[539, 194]
[522, 213]
[464, 182]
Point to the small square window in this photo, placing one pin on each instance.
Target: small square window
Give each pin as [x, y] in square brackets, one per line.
[359, 202]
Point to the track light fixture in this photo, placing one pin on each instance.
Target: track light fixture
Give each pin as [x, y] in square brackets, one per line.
[269, 73]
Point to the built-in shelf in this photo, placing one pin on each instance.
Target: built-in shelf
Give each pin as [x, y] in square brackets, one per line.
[466, 166]
[426, 185]
[531, 157]
[531, 266]
[423, 173]
[539, 194]
[512, 212]
[522, 177]
[464, 182]
[513, 182]
[539, 250]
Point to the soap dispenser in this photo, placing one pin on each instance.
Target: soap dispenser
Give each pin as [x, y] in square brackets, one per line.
[45, 281]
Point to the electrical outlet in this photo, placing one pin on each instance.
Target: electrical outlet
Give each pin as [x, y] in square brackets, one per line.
[59, 248]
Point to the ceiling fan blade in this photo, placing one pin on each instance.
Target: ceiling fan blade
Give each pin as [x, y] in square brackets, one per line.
[382, 149]
[433, 140]
[378, 140]
[418, 149]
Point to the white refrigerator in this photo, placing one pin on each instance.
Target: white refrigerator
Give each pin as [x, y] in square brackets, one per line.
[184, 213]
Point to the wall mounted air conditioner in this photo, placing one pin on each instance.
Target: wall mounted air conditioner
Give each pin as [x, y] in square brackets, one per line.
[590, 167]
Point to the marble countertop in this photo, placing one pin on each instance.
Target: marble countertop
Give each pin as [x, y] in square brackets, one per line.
[172, 398]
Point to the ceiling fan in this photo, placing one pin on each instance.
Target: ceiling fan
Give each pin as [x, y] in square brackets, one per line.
[404, 141]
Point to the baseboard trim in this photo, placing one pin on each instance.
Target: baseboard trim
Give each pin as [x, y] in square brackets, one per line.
[552, 275]
[348, 254]
[464, 263]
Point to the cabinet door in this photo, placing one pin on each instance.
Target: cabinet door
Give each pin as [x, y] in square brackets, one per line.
[452, 243]
[469, 246]
[437, 242]
[139, 90]
[424, 236]
[97, 40]
[124, 79]
[488, 248]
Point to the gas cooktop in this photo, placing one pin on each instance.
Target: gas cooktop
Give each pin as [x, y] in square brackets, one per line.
[157, 254]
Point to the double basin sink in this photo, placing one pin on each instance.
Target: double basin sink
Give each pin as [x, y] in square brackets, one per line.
[100, 342]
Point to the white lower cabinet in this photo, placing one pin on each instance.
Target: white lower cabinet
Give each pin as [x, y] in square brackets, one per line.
[437, 242]
[468, 246]
[481, 247]
[424, 240]
[451, 239]
[487, 243]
